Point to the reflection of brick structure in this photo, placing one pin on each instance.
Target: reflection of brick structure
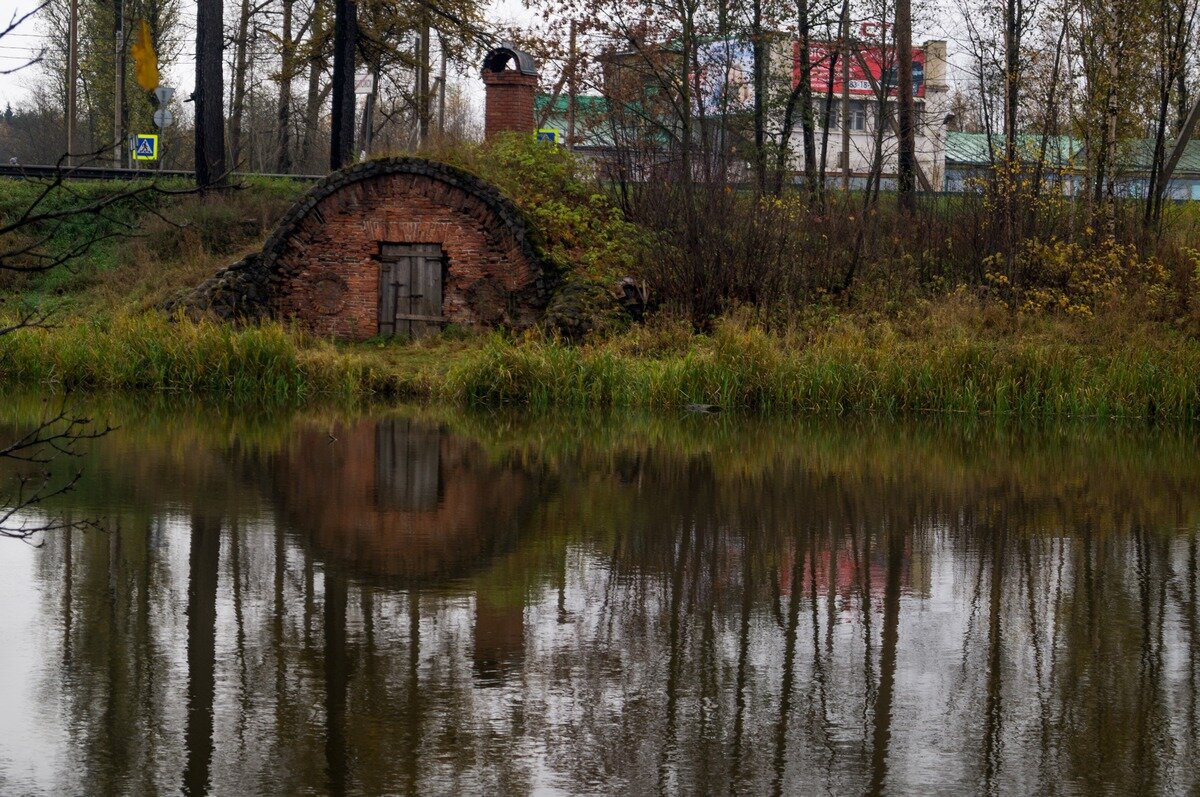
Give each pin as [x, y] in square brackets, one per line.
[436, 509]
[511, 81]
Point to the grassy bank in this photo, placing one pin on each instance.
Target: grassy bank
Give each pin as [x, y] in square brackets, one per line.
[847, 367]
[1103, 330]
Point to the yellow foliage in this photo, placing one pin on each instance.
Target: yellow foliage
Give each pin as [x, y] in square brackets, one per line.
[146, 59]
[1055, 276]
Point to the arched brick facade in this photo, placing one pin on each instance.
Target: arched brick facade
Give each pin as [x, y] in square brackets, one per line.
[322, 263]
[322, 266]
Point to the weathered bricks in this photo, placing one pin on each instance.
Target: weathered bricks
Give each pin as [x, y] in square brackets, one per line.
[320, 268]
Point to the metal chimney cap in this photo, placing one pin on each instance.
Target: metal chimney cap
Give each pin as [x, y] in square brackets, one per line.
[498, 57]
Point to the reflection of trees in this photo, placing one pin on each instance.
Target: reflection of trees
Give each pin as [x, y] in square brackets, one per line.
[203, 563]
[637, 619]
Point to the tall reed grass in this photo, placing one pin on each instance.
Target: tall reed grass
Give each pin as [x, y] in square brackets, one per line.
[736, 367]
[748, 369]
[148, 353]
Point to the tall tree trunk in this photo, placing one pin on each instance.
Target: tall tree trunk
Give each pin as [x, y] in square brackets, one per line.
[806, 100]
[1012, 62]
[685, 100]
[904, 104]
[1182, 98]
[119, 144]
[238, 105]
[312, 113]
[368, 115]
[345, 30]
[1051, 126]
[283, 160]
[759, 49]
[210, 88]
[313, 98]
[826, 120]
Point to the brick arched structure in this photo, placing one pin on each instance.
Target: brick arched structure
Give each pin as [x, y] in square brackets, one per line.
[344, 260]
[324, 259]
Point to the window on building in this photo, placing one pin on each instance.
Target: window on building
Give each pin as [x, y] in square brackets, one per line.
[858, 116]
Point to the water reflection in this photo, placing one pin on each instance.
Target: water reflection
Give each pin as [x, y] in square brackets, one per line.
[408, 604]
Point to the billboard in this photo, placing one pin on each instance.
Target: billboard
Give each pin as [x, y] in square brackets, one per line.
[881, 61]
[726, 76]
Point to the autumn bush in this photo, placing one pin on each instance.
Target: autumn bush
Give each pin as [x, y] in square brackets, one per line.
[714, 248]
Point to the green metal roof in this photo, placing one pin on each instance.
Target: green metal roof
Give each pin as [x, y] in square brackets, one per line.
[1138, 154]
[592, 125]
[971, 149]
[595, 123]
[585, 104]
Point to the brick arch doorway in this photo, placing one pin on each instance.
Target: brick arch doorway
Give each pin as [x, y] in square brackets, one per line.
[411, 283]
[356, 257]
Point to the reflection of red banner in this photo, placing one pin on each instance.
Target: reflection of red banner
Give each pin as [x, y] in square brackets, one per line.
[844, 573]
[880, 61]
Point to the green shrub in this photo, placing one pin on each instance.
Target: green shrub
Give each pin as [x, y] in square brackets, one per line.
[572, 218]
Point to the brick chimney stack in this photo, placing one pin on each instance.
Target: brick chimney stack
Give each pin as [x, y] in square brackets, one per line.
[511, 80]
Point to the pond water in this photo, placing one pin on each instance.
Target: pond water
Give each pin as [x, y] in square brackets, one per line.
[415, 601]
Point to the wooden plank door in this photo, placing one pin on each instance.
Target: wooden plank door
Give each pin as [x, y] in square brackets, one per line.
[410, 289]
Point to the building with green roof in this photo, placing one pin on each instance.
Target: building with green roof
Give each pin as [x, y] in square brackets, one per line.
[969, 156]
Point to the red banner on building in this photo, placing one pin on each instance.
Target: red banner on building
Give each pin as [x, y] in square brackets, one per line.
[881, 61]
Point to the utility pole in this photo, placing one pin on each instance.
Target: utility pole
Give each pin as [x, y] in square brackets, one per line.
[119, 83]
[845, 96]
[72, 78]
[442, 91]
[572, 90]
[423, 81]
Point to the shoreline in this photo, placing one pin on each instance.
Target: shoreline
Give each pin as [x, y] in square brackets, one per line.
[736, 367]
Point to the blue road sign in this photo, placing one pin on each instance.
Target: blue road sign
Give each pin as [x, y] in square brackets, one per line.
[145, 147]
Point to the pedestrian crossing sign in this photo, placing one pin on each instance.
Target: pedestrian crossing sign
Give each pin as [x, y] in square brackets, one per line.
[547, 134]
[145, 147]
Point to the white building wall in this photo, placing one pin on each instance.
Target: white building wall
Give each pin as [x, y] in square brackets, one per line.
[931, 130]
